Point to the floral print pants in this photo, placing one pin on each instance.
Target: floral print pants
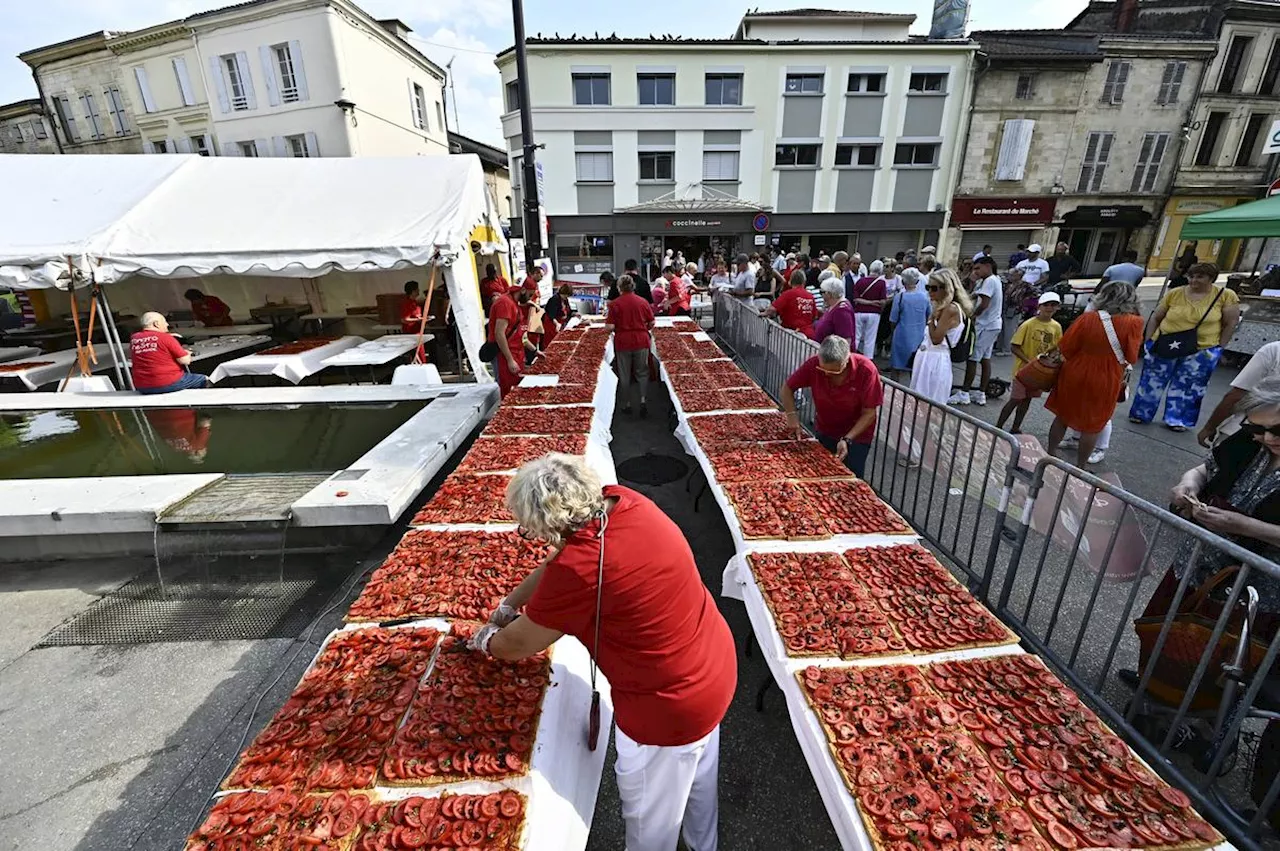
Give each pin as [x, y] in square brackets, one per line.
[1182, 383]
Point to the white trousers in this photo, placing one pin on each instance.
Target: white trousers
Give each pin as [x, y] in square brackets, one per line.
[1104, 437]
[867, 324]
[665, 788]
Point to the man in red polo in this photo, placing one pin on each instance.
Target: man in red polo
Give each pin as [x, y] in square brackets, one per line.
[507, 330]
[631, 320]
[158, 362]
[795, 308]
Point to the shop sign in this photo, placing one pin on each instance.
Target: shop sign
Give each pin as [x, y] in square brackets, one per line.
[1002, 212]
[1197, 206]
[761, 239]
[1273, 139]
[1120, 216]
[693, 223]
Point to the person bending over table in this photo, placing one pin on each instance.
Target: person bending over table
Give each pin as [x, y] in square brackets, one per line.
[507, 330]
[651, 626]
[159, 362]
[846, 392]
[209, 310]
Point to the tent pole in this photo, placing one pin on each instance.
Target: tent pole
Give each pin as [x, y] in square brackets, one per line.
[112, 342]
[118, 350]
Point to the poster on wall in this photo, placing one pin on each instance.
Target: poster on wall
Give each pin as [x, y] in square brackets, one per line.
[515, 259]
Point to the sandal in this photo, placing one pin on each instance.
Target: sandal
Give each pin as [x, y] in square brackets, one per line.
[1177, 428]
[1137, 421]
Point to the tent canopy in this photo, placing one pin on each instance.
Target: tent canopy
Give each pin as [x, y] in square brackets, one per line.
[1255, 219]
[182, 216]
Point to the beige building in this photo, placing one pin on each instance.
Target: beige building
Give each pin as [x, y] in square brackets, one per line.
[24, 129]
[1073, 137]
[171, 109]
[496, 176]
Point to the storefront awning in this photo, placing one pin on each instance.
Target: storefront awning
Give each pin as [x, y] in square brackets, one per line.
[1256, 218]
[695, 198]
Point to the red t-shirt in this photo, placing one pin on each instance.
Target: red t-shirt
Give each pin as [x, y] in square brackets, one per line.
[837, 406]
[507, 308]
[678, 293]
[631, 318]
[796, 309]
[180, 428]
[410, 316]
[155, 359]
[491, 288]
[664, 646]
[211, 312]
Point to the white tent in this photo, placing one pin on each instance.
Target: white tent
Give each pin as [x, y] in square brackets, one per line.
[114, 217]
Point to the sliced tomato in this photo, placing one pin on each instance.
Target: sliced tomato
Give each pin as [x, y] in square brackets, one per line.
[346, 822]
[510, 805]
[1175, 797]
[1062, 836]
[413, 837]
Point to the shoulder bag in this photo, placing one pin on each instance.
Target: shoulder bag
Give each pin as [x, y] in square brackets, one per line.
[1180, 344]
[593, 718]
[1118, 351]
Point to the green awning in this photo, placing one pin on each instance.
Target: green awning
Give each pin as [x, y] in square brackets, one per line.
[1256, 218]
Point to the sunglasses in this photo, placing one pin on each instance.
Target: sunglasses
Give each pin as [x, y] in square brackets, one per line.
[1255, 430]
[835, 371]
[933, 288]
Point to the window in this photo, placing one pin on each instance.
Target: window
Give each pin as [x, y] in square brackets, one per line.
[916, 154]
[1237, 57]
[237, 88]
[184, 81]
[144, 89]
[800, 155]
[287, 76]
[115, 106]
[1097, 152]
[37, 129]
[591, 89]
[1208, 149]
[720, 165]
[298, 147]
[513, 96]
[1117, 79]
[657, 89]
[248, 149]
[200, 145]
[1015, 146]
[851, 155]
[419, 107]
[803, 84]
[1246, 154]
[439, 116]
[1149, 157]
[62, 106]
[865, 84]
[657, 165]
[1272, 73]
[594, 166]
[724, 90]
[1171, 83]
[1025, 88]
[936, 83]
[91, 117]
[160, 147]
[15, 134]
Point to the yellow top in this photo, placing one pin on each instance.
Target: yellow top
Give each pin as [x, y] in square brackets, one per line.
[1035, 337]
[1185, 310]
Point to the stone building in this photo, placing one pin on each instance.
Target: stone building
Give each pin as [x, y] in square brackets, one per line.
[1073, 137]
[24, 129]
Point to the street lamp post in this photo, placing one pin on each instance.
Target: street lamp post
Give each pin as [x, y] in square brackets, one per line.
[532, 220]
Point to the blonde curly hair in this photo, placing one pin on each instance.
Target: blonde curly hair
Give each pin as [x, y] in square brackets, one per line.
[555, 495]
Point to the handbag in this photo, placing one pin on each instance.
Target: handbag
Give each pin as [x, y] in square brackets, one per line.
[1188, 637]
[593, 717]
[1123, 395]
[1040, 374]
[1179, 344]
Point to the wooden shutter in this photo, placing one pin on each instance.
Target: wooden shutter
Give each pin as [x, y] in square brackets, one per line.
[413, 105]
[172, 145]
[208, 145]
[1155, 161]
[299, 73]
[1015, 145]
[1175, 86]
[184, 81]
[219, 77]
[231, 149]
[144, 89]
[184, 145]
[1166, 83]
[246, 79]
[263, 147]
[1122, 79]
[279, 147]
[313, 145]
[116, 110]
[270, 73]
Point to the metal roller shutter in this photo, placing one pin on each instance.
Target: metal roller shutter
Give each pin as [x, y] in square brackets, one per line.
[1004, 243]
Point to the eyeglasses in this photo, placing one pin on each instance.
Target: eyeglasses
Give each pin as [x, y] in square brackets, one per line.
[933, 288]
[1255, 430]
[835, 371]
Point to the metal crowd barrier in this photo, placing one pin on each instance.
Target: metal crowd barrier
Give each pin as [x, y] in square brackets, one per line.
[1068, 560]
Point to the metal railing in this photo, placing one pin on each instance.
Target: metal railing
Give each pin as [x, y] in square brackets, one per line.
[1067, 559]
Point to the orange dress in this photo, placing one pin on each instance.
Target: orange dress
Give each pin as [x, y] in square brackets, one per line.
[1089, 381]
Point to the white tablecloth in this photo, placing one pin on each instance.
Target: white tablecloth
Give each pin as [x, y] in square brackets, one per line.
[13, 353]
[293, 368]
[200, 333]
[59, 365]
[212, 347]
[379, 351]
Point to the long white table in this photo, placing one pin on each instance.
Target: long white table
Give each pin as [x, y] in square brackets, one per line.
[13, 353]
[377, 352]
[291, 368]
[213, 347]
[56, 366]
[199, 333]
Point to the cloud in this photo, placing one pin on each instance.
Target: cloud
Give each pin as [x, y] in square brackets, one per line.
[477, 89]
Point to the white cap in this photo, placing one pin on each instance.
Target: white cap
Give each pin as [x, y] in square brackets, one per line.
[930, 249]
[1051, 298]
[1033, 248]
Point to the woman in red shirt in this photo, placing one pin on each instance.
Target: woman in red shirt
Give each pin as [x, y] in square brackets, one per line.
[209, 310]
[652, 627]
[679, 299]
[795, 308]
[492, 285]
[507, 331]
[846, 394]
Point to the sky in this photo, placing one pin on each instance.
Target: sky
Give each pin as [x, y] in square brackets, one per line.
[470, 32]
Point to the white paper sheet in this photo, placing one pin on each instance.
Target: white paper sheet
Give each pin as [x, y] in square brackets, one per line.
[375, 352]
[292, 368]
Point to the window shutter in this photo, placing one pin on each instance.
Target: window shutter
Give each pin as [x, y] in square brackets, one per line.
[1153, 164]
[1175, 87]
[299, 73]
[144, 89]
[246, 79]
[208, 145]
[1122, 79]
[1166, 83]
[184, 81]
[148, 147]
[413, 105]
[38, 125]
[279, 147]
[184, 145]
[1144, 157]
[115, 111]
[270, 73]
[1011, 163]
[313, 145]
[263, 147]
[230, 149]
[171, 144]
[220, 82]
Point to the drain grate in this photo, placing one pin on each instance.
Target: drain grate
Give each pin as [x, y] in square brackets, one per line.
[194, 607]
[247, 499]
[649, 469]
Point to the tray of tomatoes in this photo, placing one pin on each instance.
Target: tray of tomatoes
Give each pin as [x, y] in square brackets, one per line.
[560, 394]
[491, 822]
[774, 510]
[281, 819]
[452, 574]
[851, 507]
[550, 362]
[501, 454]
[332, 731]
[474, 718]
[297, 347]
[715, 429]
[23, 366]
[777, 461]
[467, 498]
[570, 420]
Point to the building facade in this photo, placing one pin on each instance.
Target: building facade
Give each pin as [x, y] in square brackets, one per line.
[24, 129]
[1238, 97]
[268, 78]
[823, 131]
[1073, 138]
[496, 175]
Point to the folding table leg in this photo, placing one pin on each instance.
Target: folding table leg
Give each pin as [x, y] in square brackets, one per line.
[764, 688]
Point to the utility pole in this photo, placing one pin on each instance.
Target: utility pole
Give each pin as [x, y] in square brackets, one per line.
[531, 219]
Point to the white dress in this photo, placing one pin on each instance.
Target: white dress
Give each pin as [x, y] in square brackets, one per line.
[931, 374]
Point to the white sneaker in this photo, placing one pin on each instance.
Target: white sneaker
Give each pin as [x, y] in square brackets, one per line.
[1096, 456]
[960, 397]
[978, 397]
[1069, 443]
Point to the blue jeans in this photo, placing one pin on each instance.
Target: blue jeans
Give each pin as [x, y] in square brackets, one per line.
[855, 459]
[189, 381]
[1181, 381]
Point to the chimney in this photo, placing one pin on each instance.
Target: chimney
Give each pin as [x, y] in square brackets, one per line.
[1126, 11]
[950, 19]
[396, 27]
